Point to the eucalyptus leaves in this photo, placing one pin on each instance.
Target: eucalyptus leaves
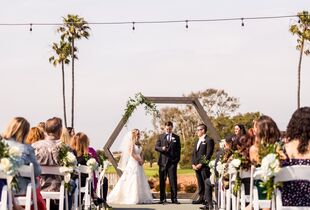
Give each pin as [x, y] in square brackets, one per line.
[139, 99]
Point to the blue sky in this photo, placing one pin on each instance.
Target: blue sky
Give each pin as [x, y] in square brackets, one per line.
[256, 63]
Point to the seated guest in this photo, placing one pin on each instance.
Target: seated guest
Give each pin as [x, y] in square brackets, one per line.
[35, 134]
[47, 154]
[297, 149]
[80, 144]
[14, 136]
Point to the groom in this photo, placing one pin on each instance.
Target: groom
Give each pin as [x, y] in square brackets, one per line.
[169, 147]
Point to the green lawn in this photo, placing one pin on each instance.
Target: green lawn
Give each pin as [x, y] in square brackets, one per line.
[154, 170]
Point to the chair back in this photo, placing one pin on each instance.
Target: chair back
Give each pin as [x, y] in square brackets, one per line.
[291, 173]
[61, 195]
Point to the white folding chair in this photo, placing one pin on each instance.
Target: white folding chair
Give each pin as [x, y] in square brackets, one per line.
[256, 202]
[82, 169]
[27, 171]
[59, 195]
[291, 173]
[6, 197]
[100, 177]
[221, 195]
[243, 197]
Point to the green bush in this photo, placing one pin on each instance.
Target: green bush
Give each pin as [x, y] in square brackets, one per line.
[191, 188]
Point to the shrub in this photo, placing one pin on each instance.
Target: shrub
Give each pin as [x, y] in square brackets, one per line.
[191, 188]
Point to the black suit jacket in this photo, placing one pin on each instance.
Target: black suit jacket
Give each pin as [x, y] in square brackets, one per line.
[206, 148]
[174, 149]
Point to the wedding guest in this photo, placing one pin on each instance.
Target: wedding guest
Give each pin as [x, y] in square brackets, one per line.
[81, 146]
[203, 149]
[297, 149]
[239, 131]
[41, 126]
[266, 132]
[65, 137]
[14, 136]
[169, 147]
[47, 153]
[35, 134]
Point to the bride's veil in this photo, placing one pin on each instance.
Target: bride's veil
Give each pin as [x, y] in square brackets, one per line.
[124, 149]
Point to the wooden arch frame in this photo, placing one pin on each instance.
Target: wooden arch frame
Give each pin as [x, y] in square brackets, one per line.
[160, 100]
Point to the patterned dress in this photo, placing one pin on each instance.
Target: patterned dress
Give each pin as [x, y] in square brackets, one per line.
[296, 193]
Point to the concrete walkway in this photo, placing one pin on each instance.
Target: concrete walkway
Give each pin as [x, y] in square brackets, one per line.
[185, 205]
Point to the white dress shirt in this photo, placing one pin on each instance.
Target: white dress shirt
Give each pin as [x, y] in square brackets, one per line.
[201, 139]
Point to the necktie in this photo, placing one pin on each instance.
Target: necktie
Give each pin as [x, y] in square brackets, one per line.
[168, 138]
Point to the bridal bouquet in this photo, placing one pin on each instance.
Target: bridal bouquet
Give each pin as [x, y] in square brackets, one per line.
[10, 162]
[68, 163]
[92, 164]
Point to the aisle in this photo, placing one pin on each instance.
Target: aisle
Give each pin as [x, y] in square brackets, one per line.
[185, 205]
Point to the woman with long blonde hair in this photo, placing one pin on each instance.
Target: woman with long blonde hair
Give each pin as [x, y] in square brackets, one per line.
[35, 134]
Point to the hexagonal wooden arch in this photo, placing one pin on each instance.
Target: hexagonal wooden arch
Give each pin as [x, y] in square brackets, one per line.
[161, 100]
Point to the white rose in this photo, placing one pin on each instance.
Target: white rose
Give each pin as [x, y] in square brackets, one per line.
[92, 164]
[236, 163]
[222, 143]
[220, 168]
[67, 177]
[212, 164]
[71, 158]
[6, 164]
[15, 152]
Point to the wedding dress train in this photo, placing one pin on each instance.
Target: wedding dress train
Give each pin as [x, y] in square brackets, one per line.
[132, 187]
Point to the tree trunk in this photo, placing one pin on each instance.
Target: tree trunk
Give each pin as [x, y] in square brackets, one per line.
[299, 70]
[72, 96]
[64, 92]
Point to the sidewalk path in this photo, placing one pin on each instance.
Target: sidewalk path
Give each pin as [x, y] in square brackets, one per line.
[185, 205]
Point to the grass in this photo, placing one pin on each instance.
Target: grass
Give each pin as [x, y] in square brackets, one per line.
[153, 171]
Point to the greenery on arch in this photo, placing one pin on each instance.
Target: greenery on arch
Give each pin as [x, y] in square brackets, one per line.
[140, 99]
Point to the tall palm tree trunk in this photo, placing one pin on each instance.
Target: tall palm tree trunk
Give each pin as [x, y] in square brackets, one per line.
[299, 70]
[72, 99]
[64, 92]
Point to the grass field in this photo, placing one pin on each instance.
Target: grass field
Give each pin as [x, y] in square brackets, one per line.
[151, 172]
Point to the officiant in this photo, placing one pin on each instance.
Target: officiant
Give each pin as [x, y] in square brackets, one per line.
[169, 147]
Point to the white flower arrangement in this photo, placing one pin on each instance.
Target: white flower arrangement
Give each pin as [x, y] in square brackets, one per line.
[234, 165]
[10, 162]
[68, 162]
[220, 168]
[222, 143]
[92, 164]
[270, 166]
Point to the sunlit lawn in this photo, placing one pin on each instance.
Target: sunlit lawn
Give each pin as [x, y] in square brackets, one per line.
[153, 171]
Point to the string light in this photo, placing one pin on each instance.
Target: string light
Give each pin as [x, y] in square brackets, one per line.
[242, 23]
[158, 21]
[133, 26]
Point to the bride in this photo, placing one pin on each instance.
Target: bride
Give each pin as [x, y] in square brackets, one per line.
[132, 187]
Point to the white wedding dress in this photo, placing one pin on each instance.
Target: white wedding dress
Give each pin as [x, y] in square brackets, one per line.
[132, 187]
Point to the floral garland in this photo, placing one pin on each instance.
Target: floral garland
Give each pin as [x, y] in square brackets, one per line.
[68, 163]
[139, 99]
[9, 163]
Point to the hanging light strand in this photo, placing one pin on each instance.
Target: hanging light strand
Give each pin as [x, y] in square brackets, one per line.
[158, 21]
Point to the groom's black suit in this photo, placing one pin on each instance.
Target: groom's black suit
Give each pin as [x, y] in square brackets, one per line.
[168, 161]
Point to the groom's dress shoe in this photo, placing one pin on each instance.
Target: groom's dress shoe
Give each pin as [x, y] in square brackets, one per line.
[175, 201]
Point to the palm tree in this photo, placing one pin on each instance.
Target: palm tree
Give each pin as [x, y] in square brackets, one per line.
[74, 28]
[302, 30]
[62, 51]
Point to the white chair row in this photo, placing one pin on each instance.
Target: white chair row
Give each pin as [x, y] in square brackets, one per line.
[226, 200]
[25, 171]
